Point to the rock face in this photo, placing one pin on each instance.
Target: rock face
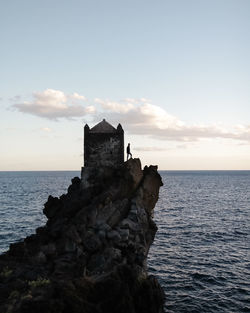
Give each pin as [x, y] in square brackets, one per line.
[91, 256]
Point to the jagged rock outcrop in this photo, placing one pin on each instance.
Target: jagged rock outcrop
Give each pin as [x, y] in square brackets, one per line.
[91, 256]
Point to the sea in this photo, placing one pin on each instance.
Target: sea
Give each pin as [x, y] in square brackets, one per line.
[201, 252]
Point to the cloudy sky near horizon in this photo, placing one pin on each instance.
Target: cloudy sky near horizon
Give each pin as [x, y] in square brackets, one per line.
[175, 74]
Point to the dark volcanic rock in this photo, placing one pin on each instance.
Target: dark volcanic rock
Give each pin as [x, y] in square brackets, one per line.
[91, 255]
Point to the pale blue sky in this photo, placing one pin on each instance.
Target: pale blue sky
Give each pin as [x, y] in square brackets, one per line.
[189, 58]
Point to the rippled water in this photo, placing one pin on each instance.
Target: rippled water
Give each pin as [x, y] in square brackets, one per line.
[201, 252]
[22, 195]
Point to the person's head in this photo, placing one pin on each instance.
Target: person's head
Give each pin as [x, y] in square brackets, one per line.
[129, 144]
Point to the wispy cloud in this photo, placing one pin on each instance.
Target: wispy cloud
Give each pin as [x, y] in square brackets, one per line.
[15, 98]
[149, 149]
[54, 104]
[46, 129]
[159, 149]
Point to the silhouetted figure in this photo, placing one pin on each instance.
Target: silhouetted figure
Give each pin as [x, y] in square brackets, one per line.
[128, 152]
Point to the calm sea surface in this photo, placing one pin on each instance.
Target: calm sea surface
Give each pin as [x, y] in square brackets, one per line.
[201, 252]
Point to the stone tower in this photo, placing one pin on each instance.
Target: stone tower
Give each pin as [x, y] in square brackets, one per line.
[103, 145]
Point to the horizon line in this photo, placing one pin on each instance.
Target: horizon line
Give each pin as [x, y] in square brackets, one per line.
[162, 170]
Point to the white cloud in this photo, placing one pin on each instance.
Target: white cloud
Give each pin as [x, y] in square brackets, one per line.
[144, 118]
[54, 104]
[135, 101]
[90, 109]
[116, 107]
[78, 97]
[138, 116]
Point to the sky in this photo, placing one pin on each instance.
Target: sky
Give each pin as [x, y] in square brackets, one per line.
[174, 73]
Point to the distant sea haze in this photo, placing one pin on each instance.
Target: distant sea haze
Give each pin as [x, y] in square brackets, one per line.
[201, 252]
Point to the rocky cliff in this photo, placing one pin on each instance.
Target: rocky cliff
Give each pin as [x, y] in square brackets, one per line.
[91, 256]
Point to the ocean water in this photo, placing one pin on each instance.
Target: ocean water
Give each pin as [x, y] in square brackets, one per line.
[201, 253]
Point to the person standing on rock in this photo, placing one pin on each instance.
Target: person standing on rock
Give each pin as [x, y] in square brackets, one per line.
[128, 152]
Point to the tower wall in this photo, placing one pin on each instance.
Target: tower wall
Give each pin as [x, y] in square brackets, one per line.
[103, 148]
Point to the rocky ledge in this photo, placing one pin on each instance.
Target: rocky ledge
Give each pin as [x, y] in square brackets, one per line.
[91, 256]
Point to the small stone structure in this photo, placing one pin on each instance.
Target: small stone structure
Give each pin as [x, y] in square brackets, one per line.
[103, 145]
